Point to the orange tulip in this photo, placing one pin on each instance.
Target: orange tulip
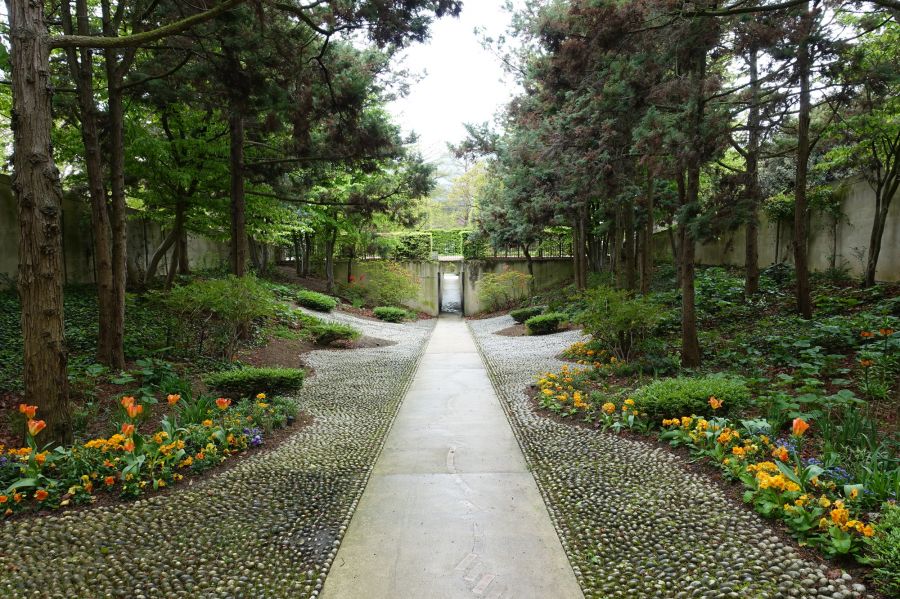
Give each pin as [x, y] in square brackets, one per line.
[127, 401]
[223, 403]
[129, 445]
[36, 426]
[799, 426]
[715, 403]
[886, 332]
[29, 411]
[41, 494]
[134, 410]
[109, 481]
[173, 399]
[127, 429]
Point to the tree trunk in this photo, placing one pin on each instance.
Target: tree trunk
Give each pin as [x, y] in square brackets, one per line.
[330, 242]
[307, 251]
[238, 201]
[751, 246]
[882, 206]
[167, 243]
[532, 285]
[298, 265]
[629, 263]
[184, 263]
[113, 334]
[647, 238]
[253, 251]
[81, 68]
[801, 208]
[173, 267]
[39, 212]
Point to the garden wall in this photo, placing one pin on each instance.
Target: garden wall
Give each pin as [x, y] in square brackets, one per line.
[425, 273]
[843, 244]
[548, 273]
[143, 238]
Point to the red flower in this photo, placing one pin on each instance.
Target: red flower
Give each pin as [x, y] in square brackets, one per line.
[41, 494]
[29, 411]
[799, 426]
[36, 426]
[223, 403]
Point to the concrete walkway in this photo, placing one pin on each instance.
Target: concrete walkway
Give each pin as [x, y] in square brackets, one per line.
[451, 510]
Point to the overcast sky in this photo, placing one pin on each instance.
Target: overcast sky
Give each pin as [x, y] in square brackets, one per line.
[463, 83]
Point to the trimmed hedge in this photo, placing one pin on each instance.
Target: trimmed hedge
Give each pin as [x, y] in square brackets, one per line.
[316, 301]
[413, 247]
[328, 333]
[689, 396]
[448, 242]
[523, 314]
[543, 324]
[249, 381]
[390, 314]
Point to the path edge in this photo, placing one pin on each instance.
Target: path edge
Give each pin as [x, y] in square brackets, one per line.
[501, 397]
[348, 519]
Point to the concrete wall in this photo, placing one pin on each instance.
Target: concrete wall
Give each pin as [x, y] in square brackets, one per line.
[548, 273]
[143, 238]
[831, 245]
[425, 274]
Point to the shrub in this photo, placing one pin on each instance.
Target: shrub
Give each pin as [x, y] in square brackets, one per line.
[250, 380]
[884, 547]
[618, 321]
[545, 323]
[390, 314]
[382, 283]
[328, 333]
[221, 310]
[498, 290]
[686, 396]
[316, 301]
[523, 314]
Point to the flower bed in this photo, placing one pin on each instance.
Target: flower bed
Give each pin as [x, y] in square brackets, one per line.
[200, 434]
[784, 477]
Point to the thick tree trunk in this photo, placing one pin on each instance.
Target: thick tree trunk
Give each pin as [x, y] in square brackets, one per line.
[330, 242]
[238, 200]
[113, 334]
[801, 208]
[81, 68]
[39, 212]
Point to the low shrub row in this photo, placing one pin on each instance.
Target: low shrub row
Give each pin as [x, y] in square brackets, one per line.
[391, 314]
[316, 301]
[245, 381]
[544, 324]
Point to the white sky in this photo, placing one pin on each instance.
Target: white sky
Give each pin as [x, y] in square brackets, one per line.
[462, 83]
